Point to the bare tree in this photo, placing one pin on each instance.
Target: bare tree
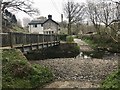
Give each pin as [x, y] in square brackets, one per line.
[93, 13]
[74, 13]
[108, 16]
[106, 13]
[22, 5]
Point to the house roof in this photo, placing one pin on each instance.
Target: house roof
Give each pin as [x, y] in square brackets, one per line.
[41, 21]
[52, 21]
[36, 22]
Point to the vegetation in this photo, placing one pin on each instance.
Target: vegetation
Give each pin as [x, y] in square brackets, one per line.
[17, 72]
[14, 28]
[112, 81]
[74, 13]
[17, 28]
[107, 44]
[69, 39]
[63, 37]
[19, 5]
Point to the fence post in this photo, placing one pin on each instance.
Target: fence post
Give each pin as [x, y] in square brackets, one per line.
[37, 41]
[23, 40]
[43, 41]
[11, 39]
[47, 40]
[51, 39]
[30, 40]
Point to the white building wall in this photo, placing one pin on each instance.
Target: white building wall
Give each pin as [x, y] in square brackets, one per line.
[38, 29]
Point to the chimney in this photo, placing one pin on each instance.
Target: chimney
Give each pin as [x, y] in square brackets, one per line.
[61, 17]
[49, 16]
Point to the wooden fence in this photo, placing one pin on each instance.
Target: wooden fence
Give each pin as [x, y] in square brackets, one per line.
[14, 39]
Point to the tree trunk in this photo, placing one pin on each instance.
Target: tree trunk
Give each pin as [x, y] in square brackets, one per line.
[69, 28]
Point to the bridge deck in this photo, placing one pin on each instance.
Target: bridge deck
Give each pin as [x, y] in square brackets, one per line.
[25, 41]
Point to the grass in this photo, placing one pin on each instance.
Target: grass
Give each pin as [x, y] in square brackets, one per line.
[16, 28]
[105, 43]
[17, 72]
[90, 42]
[112, 81]
[69, 39]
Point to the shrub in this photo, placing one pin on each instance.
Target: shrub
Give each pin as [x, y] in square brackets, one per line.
[17, 72]
[63, 37]
[69, 39]
[112, 81]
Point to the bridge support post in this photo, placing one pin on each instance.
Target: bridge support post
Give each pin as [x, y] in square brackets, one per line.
[47, 44]
[43, 37]
[37, 41]
[23, 41]
[11, 37]
[51, 39]
[31, 42]
[54, 40]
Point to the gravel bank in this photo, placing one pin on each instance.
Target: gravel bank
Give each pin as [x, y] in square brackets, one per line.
[80, 72]
[79, 69]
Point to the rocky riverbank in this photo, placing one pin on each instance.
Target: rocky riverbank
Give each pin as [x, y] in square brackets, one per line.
[78, 69]
[80, 72]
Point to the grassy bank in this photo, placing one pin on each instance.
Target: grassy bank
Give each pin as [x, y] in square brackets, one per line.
[17, 72]
[101, 45]
[112, 81]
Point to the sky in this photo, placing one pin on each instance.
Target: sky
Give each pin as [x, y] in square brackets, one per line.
[46, 7]
[52, 7]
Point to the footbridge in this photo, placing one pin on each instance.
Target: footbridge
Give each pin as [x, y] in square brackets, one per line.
[27, 42]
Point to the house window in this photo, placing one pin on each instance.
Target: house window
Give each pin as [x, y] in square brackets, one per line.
[52, 31]
[35, 25]
[49, 32]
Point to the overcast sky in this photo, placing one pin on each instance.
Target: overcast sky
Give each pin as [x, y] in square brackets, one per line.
[46, 7]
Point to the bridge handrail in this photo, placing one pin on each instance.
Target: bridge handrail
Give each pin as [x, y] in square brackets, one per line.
[14, 38]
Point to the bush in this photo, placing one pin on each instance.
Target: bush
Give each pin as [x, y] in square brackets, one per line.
[17, 72]
[112, 81]
[40, 75]
[63, 37]
[69, 39]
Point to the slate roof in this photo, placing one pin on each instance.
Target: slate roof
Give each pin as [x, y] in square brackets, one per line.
[51, 20]
[41, 21]
[36, 22]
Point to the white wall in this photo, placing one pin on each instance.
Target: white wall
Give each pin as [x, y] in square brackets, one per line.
[37, 29]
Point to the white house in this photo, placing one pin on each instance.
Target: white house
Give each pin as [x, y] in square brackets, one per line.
[43, 26]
